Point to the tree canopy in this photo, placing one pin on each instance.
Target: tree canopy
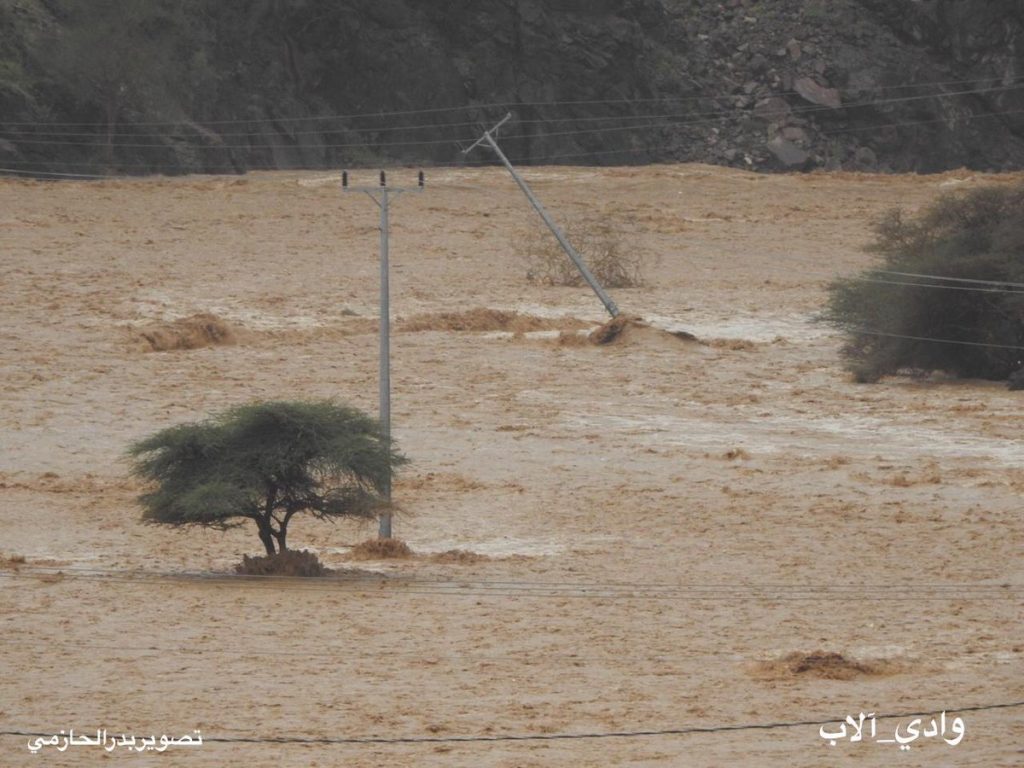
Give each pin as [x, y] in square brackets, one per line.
[948, 296]
[266, 462]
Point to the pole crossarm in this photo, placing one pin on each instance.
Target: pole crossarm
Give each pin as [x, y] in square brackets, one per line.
[382, 195]
[378, 190]
[487, 134]
[563, 240]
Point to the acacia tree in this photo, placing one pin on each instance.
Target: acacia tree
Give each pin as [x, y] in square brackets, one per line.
[266, 462]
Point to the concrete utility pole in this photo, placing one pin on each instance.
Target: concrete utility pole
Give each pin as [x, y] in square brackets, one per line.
[610, 305]
[382, 195]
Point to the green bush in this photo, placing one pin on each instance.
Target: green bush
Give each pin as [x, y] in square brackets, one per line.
[921, 310]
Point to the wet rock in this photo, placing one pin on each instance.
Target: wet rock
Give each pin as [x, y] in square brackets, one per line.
[865, 159]
[794, 133]
[787, 153]
[774, 109]
[1016, 380]
[816, 93]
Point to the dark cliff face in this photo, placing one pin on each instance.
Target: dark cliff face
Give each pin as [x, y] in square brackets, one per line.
[788, 84]
[865, 85]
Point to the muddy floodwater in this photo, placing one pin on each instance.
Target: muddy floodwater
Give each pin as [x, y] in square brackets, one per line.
[657, 534]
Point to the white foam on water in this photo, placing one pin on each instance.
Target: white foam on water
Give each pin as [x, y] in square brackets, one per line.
[528, 335]
[776, 433]
[503, 547]
[762, 328]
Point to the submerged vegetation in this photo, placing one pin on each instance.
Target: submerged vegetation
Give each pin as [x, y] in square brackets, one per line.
[948, 295]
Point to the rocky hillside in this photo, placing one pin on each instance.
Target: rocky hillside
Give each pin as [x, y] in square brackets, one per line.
[139, 86]
[863, 84]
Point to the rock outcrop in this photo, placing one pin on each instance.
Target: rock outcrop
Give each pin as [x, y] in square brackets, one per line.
[900, 85]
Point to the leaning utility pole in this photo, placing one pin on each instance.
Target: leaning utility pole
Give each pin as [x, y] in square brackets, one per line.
[382, 196]
[613, 310]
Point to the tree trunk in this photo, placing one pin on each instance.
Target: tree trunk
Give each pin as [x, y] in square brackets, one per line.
[282, 534]
[263, 522]
[267, 537]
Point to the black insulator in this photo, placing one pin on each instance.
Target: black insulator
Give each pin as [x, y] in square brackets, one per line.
[344, 178]
[383, 180]
[421, 178]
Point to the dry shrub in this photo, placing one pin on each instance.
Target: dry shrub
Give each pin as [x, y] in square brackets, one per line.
[900, 481]
[834, 462]
[737, 345]
[201, 330]
[482, 319]
[459, 557]
[573, 339]
[903, 480]
[627, 328]
[291, 562]
[380, 549]
[11, 562]
[736, 454]
[450, 481]
[353, 326]
[614, 264]
[825, 665]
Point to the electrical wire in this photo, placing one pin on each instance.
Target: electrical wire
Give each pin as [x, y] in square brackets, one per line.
[533, 121]
[681, 147]
[872, 332]
[484, 739]
[391, 587]
[954, 279]
[535, 160]
[688, 121]
[378, 578]
[483, 106]
[452, 657]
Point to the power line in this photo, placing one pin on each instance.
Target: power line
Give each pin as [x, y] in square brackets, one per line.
[377, 578]
[798, 110]
[689, 121]
[530, 121]
[778, 269]
[413, 586]
[471, 107]
[955, 279]
[534, 159]
[905, 123]
[226, 147]
[647, 733]
[870, 332]
[452, 658]
[861, 279]
[79, 175]
[527, 655]
[318, 132]
[679, 146]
